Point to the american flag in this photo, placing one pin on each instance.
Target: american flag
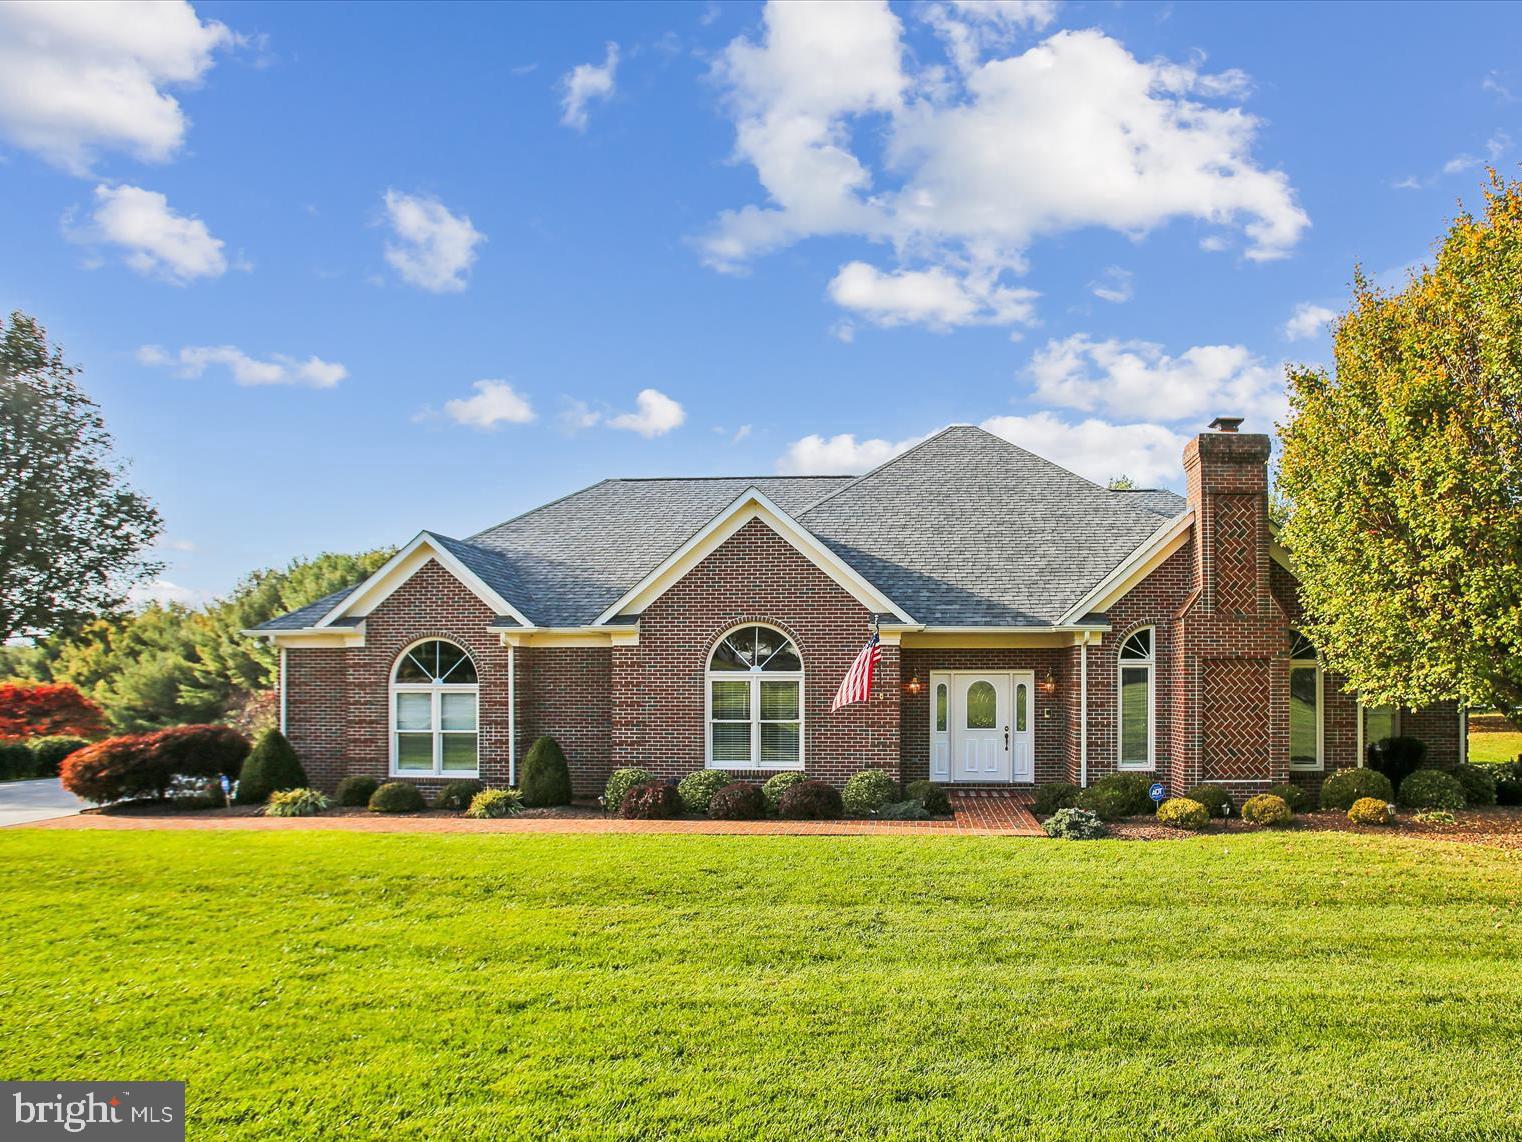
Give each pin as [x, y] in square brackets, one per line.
[856, 686]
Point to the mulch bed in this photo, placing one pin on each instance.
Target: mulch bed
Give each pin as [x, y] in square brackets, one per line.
[1501, 826]
[168, 809]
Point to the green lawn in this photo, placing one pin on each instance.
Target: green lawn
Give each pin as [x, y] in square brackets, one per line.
[413, 986]
[1494, 747]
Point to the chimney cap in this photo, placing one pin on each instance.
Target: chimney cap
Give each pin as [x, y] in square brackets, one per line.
[1227, 423]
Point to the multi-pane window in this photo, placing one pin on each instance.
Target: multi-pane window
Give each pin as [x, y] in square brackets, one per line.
[755, 701]
[1305, 705]
[1136, 700]
[433, 711]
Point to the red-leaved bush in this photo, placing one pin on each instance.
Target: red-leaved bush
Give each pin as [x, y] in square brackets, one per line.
[145, 765]
[47, 709]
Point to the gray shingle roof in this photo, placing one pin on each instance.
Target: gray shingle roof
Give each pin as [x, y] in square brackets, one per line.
[305, 616]
[965, 529]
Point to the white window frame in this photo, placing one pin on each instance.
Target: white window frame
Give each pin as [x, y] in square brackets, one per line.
[1320, 762]
[436, 691]
[1362, 744]
[1150, 665]
[755, 676]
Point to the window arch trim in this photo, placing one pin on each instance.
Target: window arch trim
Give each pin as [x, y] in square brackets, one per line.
[738, 695]
[434, 729]
[1136, 681]
[1303, 658]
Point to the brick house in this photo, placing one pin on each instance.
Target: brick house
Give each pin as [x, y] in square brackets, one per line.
[1035, 627]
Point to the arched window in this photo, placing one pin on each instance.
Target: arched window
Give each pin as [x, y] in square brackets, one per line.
[1136, 701]
[755, 701]
[433, 711]
[1305, 704]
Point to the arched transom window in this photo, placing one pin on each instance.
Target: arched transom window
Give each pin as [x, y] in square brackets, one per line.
[433, 711]
[1137, 660]
[1305, 704]
[755, 701]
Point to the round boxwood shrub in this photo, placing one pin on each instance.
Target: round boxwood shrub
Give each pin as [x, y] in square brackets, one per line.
[1213, 797]
[1430, 789]
[738, 801]
[492, 803]
[457, 795]
[17, 761]
[650, 801]
[1183, 813]
[930, 795]
[1267, 809]
[1478, 783]
[777, 785]
[295, 803]
[1055, 795]
[397, 797]
[1072, 824]
[1118, 795]
[810, 801]
[272, 765]
[620, 781]
[546, 779]
[48, 753]
[697, 789]
[1371, 811]
[867, 791]
[1340, 790]
[355, 792]
[1291, 794]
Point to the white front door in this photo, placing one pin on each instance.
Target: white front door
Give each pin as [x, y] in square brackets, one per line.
[1023, 728]
[982, 732]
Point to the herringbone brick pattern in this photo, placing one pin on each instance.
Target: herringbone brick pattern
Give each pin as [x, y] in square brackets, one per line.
[1236, 552]
[1236, 718]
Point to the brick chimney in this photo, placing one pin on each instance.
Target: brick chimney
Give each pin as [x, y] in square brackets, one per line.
[1227, 474]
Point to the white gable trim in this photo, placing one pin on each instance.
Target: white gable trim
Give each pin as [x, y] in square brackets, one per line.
[1134, 568]
[752, 504]
[401, 567]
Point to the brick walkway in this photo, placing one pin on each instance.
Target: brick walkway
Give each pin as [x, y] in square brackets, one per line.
[975, 814]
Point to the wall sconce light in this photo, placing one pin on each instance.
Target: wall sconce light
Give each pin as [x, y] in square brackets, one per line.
[914, 685]
[1049, 684]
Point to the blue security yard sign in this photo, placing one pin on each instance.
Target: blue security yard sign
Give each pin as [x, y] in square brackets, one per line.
[1158, 791]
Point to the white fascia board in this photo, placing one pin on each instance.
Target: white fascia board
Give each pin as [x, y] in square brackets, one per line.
[401, 566]
[306, 637]
[752, 504]
[1135, 567]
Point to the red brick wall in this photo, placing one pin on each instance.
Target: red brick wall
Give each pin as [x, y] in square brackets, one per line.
[316, 680]
[566, 692]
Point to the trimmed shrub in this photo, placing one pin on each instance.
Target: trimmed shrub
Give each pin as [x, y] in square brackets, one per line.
[50, 752]
[1117, 795]
[457, 795]
[620, 781]
[207, 751]
[1267, 809]
[546, 779]
[490, 804]
[1430, 789]
[738, 801]
[1213, 797]
[810, 801]
[38, 709]
[1073, 824]
[867, 791]
[295, 803]
[1476, 781]
[1342, 788]
[697, 789]
[777, 785]
[651, 801]
[355, 792]
[17, 761]
[1371, 811]
[930, 795]
[397, 797]
[1397, 757]
[1055, 795]
[910, 810]
[272, 765]
[113, 769]
[1291, 794]
[1508, 778]
[1433, 817]
[1183, 813]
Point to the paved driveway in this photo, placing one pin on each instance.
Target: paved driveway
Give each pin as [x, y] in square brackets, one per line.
[23, 801]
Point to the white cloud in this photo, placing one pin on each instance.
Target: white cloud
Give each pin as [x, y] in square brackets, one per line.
[1492, 84]
[584, 83]
[841, 455]
[1149, 453]
[741, 433]
[434, 249]
[1114, 285]
[77, 78]
[1308, 321]
[495, 402]
[1495, 146]
[155, 241]
[1138, 379]
[972, 28]
[1074, 132]
[278, 369]
[655, 415]
[164, 593]
[931, 297]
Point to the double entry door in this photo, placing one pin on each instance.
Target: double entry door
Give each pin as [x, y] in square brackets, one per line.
[982, 726]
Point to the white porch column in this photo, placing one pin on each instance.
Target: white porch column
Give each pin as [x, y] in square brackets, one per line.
[1083, 712]
[512, 715]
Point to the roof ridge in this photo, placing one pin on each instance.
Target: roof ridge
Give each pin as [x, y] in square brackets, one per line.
[752, 479]
[894, 459]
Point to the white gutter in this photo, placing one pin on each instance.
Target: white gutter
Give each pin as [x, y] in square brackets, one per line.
[512, 716]
[282, 691]
[1083, 713]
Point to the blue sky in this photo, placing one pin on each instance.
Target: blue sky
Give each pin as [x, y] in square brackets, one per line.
[338, 273]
